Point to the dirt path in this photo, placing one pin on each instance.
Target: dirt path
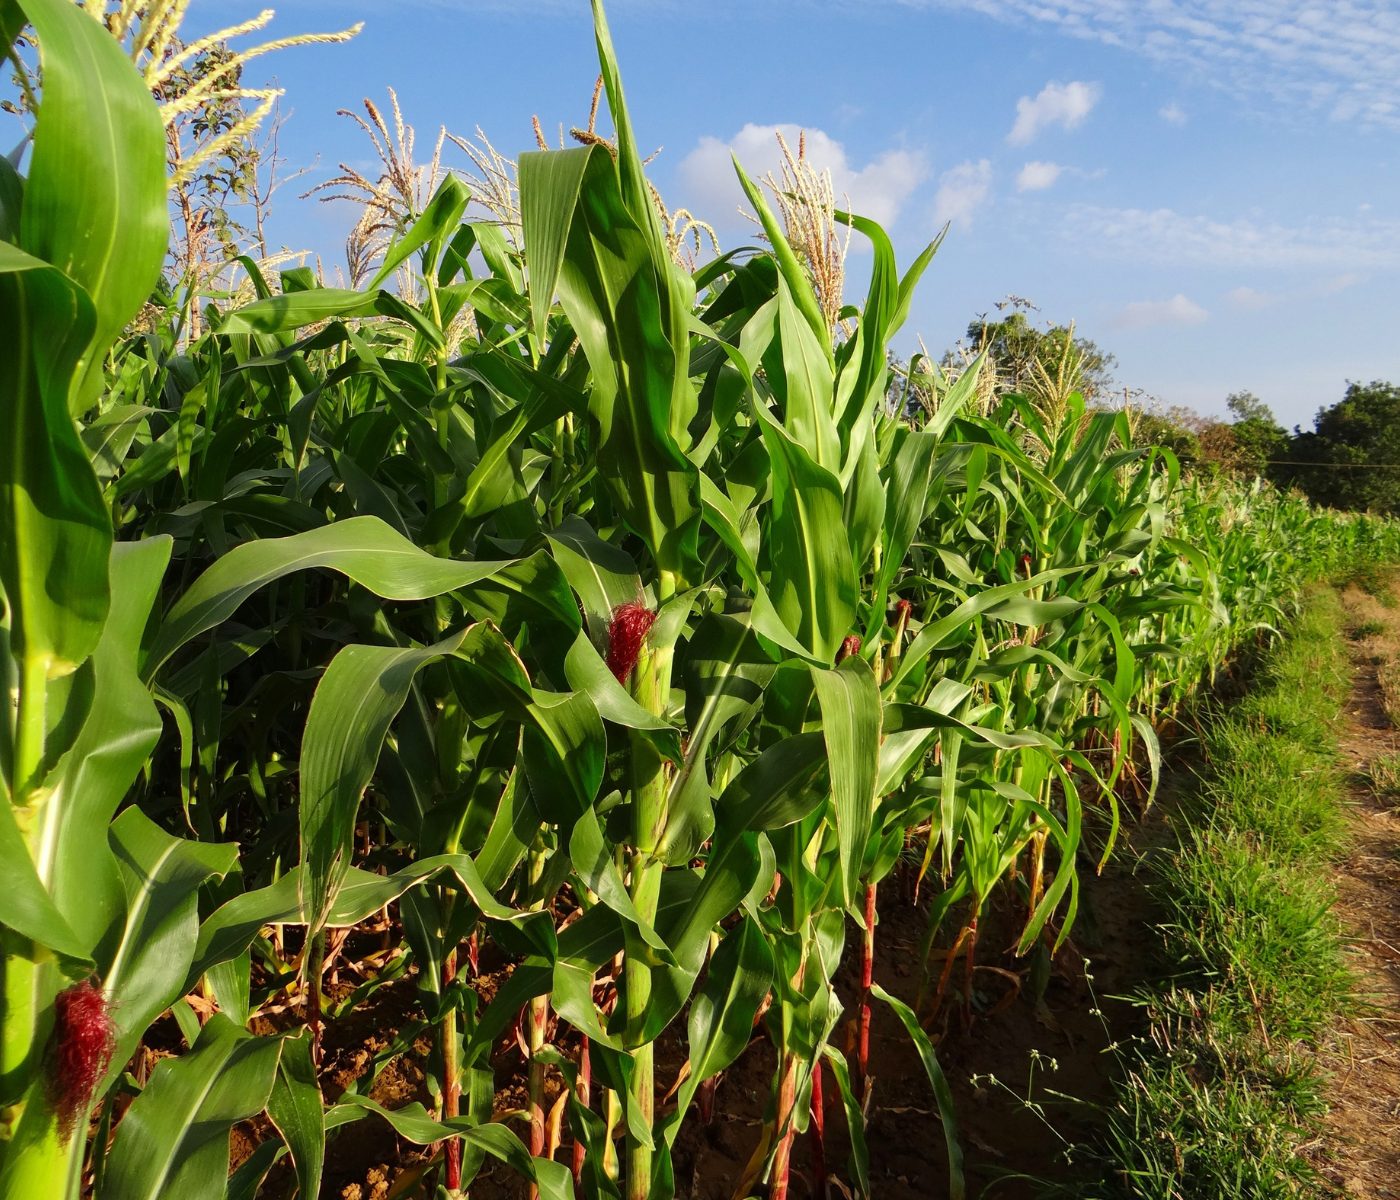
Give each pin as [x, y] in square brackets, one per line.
[1363, 1127]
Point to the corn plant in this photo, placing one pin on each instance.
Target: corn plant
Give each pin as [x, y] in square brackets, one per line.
[549, 602]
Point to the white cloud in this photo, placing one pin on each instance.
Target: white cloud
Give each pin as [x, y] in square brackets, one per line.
[962, 190]
[1338, 58]
[1037, 176]
[1063, 104]
[1172, 114]
[1164, 236]
[1151, 314]
[1339, 283]
[1251, 299]
[877, 190]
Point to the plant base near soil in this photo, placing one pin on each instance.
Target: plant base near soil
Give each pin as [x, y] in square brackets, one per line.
[1226, 1096]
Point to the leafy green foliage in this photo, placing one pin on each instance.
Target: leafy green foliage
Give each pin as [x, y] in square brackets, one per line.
[1351, 457]
[1038, 360]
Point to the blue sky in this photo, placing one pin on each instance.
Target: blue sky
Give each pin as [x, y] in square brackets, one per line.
[1211, 190]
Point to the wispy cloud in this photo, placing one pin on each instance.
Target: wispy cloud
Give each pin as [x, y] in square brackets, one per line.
[1153, 314]
[1172, 114]
[1339, 57]
[1063, 104]
[1164, 236]
[1251, 299]
[877, 190]
[1037, 176]
[962, 190]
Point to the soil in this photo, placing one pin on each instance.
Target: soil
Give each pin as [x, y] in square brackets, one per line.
[1025, 1044]
[1361, 1157]
[1026, 1072]
[1026, 1069]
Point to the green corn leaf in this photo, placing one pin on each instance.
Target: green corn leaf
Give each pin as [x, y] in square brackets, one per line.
[547, 209]
[779, 787]
[293, 310]
[564, 752]
[721, 1021]
[244, 1183]
[799, 370]
[231, 928]
[413, 1122]
[691, 909]
[722, 517]
[363, 548]
[295, 1108]
[937, 633]
[806, 554]
[957, 1186]
[726, 673]
[603, 575]
[850, 708]
[592, 859]
[788, 265]
[864, 366]
[442, 215]
[358, 697]
[174, 1139]
[957, 398]
[495, 475]
[94, 202]
[108, 438]
[145, 969]
[25, 903]
[117, 735]
[630, 307]
[53, 559]
[855, 1118]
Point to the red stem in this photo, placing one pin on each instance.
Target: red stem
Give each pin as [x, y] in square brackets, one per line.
[584, 1092]
[818, 1135]
[867, 977]
[539, 1019]
[315, 953]
[782, 1160]
[705, 1100]
[451, 1091]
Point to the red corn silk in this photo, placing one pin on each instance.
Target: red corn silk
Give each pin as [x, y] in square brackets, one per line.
[81, 1046]
[850, 647]
[903, 610]
[628, 629]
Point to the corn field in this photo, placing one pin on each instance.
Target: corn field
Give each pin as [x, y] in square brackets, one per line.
[561, 610]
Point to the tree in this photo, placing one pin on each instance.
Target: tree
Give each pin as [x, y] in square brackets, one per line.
[213, 165]
[1044, 363]
[1259, 441]
[1178, 429]
[1351, 458]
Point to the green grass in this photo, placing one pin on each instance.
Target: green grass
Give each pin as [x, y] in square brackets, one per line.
[1217, 1098]
[1376, 578]
[1385, 775]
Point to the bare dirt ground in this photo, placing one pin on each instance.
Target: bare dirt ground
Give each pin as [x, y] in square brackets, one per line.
[1361, 1157]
